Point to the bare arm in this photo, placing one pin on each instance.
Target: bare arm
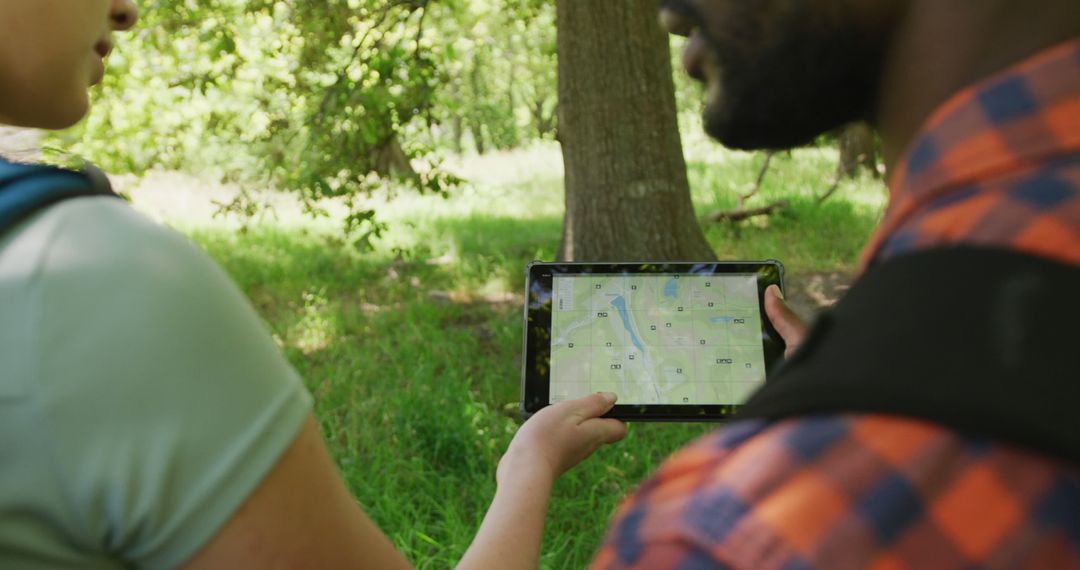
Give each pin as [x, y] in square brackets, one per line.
[551, 442]
[513, 527]
[300, 516]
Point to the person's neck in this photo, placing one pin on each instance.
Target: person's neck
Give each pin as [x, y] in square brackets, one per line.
[942, 46]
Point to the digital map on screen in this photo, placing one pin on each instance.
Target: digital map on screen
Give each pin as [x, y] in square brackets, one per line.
[656, 338]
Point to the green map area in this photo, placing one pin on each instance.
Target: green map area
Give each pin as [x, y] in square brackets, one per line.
[657, 338]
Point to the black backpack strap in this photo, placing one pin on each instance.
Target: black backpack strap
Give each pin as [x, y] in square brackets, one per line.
[981, 341]
[27, 188]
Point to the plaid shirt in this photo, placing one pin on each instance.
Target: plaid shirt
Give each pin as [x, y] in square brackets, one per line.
[997, 166]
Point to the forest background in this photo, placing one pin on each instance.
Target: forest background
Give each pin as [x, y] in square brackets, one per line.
[375, 174]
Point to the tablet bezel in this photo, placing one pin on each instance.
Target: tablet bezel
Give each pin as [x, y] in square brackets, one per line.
[535, 383]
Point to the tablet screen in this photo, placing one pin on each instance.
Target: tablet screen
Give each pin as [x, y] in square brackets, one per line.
[656, 338]
[675, 341]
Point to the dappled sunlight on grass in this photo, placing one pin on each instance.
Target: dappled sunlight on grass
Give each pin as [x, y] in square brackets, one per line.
[805, 173]
[807, 236]
[317, 326]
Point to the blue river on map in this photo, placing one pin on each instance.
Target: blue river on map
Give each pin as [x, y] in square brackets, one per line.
[671, 288]
[620, 305]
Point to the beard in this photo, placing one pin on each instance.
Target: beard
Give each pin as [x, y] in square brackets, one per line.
[808, 75]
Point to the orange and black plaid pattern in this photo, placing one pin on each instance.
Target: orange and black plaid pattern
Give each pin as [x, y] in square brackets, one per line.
[996, 166]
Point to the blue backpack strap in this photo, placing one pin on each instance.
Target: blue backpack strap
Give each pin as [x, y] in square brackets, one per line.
[27, 188]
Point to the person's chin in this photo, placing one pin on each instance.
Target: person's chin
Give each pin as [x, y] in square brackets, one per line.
[720, 128]
[743, 122]
[97, 71]
[715, 116]
[722, 123]
[723, 119]
[63, 114]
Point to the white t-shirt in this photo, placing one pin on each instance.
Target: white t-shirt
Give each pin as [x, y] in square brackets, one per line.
[141, 398]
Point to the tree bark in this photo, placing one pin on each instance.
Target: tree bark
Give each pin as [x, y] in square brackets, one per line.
[857, 150]
[543, 121]
[457, 132]
[477, 131]
[391, 161]
[627, 195]
[476, 128]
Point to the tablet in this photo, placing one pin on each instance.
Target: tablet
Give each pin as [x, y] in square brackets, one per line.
[675, 341]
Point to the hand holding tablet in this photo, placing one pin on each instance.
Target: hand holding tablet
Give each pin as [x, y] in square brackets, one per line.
[675, 341]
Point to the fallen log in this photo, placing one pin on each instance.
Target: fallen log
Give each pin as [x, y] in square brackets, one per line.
[739, 215]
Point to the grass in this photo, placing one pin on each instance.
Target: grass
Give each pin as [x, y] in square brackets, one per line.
[807, 236]
[415, 364]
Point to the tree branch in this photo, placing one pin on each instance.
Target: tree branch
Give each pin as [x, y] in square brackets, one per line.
[741, 214]
[757, 184]
[832, 188]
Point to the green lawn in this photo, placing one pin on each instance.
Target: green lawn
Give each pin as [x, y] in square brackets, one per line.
[412, 351]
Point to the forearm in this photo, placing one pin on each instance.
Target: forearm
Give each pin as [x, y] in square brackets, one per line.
[552, 441]
[509, 538]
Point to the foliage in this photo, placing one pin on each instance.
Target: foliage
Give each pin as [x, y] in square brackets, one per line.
[330, 99]
[500, 70]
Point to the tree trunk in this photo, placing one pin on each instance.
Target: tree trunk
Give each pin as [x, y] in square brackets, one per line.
[457, 132]
[477, 131]
[544, 121]
[457, 124]
[627, 195]
[476, 128]
[391, 161]
[511, 85]
[857, 149]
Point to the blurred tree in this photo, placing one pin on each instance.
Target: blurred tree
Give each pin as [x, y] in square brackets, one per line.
[499, 79]
[326, 99]
[858, 149]
[627, 195]
[319, 98]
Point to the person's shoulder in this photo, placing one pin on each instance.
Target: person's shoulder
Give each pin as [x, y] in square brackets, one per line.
[100, 247]
[135, 346]
[104, 235]
[101, 260]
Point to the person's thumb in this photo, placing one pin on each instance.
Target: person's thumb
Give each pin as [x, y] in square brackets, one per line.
[790, 326]
[593, 405]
